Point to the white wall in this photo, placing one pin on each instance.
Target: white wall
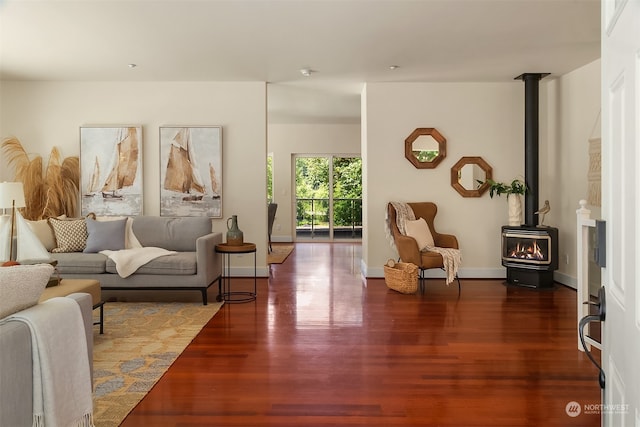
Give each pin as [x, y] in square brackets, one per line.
[487, 120]
[570, 105]
[46, 114]
[287, 140]
[477, 119]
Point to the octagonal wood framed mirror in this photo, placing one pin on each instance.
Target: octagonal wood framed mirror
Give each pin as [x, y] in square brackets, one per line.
[466, 174]
[425, 148]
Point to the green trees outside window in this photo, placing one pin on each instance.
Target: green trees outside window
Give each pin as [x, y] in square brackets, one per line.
[324, 180]
[312, 191]
[269, 178]
[347, 191]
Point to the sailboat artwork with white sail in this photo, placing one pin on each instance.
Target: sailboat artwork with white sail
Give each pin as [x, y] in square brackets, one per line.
[182, 175]
[191, 171]
[94, 182]
[124, 164]
[111, 170]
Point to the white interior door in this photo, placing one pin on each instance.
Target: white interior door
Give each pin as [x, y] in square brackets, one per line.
[621, 210]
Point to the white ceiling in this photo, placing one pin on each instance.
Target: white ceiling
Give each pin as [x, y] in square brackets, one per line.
[347, 43]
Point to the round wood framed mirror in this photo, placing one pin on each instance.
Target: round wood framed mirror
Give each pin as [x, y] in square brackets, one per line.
[425, 148]
[466, 175]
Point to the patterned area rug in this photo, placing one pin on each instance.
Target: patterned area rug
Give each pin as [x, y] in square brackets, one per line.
[140, 342]
[280, 253]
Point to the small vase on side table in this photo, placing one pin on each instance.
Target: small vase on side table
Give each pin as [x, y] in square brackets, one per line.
[235, 236]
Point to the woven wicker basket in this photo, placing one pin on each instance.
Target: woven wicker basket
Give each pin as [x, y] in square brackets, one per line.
[401, 276]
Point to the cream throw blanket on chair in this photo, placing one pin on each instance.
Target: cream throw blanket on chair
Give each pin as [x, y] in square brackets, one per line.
[403, 213]
[451, 257]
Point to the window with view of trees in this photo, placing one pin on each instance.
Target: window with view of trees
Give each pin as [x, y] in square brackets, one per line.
[269, 178]
[328, 197]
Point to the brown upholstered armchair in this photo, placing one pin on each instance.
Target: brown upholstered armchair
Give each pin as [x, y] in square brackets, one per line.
[407, 246]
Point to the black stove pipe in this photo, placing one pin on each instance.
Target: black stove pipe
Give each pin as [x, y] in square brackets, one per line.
[531, 145]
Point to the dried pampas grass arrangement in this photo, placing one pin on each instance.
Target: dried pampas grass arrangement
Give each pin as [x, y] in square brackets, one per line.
[52, 194]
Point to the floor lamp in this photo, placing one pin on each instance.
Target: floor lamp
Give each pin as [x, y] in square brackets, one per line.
[11, 196]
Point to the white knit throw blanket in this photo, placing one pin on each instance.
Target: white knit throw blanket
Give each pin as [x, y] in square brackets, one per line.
[128, 261]
[62, 390]
[451, 257]
[403, 213]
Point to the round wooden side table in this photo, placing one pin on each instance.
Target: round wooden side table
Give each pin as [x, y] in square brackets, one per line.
[227, 250]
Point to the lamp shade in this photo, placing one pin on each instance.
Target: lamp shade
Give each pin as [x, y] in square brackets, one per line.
[10, 193]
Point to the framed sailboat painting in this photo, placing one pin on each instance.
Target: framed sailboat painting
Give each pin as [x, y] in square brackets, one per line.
[191, 171]
[111, 170]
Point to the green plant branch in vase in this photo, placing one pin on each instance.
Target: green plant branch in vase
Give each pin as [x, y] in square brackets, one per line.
[517, 187]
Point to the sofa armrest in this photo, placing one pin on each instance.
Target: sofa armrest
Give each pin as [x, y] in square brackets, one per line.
[16, 375]
[85, 302]
[209, 262]
[16, 366]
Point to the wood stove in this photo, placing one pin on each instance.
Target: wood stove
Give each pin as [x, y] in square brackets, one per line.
[529, 251]
[530, 255]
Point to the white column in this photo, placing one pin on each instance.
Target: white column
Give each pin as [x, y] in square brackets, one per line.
[584, 221]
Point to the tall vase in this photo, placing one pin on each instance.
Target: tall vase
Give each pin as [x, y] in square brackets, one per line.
[515, 209]
[235, 237]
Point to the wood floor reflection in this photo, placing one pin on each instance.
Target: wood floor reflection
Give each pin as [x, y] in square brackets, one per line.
[323, 347]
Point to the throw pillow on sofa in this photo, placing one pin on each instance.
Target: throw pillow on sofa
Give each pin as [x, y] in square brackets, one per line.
[105, 235]
[43, 231]
[130, 240]
[71, 234]
[21, 286]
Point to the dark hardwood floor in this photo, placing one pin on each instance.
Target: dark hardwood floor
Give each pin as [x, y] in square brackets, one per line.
[323, 347]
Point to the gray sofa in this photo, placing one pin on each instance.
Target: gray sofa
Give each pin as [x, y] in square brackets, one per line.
[16, 368]
[196, 266]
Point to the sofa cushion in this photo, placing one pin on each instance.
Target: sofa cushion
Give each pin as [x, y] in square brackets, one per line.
[130, 240]
[21, 286]
[174, 234]
[44, 232]
[180, 264]
[105, 235]
[80, 263]
[71, 234]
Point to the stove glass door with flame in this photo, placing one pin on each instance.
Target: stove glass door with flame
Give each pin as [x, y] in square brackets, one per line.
[526, 249]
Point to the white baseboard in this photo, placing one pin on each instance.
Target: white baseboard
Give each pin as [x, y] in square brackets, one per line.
[464, 273]
[468, 273]
[281, 239]
[565, 279]
[363, 269]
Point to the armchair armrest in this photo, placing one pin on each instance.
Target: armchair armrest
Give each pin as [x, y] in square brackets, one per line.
[445, 240]
[408, 249]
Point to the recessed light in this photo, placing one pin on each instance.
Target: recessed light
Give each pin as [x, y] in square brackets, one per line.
[132, 65]
[306, 72]
[394, 67]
